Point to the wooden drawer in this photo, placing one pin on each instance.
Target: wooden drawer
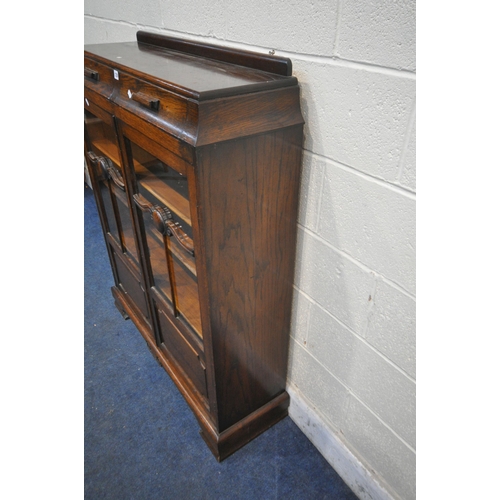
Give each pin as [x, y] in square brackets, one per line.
[167, 111]
[99, 77]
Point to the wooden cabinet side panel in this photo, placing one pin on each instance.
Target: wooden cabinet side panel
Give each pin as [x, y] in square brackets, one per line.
[248, 198]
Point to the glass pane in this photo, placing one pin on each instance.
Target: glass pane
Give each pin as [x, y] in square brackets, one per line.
[170, 242]
[104, 145]
[128, 241]
[186, 285]
[103, 138]
[158, 258]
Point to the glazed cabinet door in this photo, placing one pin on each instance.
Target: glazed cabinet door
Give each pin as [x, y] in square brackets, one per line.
[161, 195]
[108, 181]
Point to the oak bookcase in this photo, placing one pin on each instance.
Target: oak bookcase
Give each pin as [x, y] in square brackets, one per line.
[194, 153]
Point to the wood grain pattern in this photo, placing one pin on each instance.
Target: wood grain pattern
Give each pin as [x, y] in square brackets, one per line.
[250, 187]
[230, 118]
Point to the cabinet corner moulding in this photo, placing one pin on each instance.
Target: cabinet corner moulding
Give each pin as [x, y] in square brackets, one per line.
[194, 154]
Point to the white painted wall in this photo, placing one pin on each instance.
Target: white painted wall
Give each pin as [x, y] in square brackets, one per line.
[352, 364]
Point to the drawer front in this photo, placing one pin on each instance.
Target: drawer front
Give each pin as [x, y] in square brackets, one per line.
[181, 351]
[99, 77]
[167, 111]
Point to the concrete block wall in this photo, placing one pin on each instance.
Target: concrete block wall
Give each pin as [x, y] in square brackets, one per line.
[352, 355]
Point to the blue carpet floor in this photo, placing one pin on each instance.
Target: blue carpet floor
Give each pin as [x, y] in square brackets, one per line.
[141, 440]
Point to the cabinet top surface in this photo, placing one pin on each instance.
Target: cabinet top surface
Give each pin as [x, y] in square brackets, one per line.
[187, 74]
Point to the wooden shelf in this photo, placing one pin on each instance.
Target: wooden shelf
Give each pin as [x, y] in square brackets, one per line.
[109, 149]
[163, 192]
